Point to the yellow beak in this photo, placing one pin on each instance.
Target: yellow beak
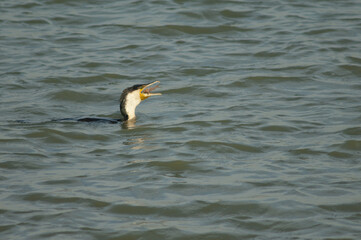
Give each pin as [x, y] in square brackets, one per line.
[145, 91]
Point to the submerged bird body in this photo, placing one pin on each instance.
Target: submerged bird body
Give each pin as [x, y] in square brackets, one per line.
[129, 99]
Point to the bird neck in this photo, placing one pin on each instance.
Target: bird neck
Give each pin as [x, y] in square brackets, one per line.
[128, 105]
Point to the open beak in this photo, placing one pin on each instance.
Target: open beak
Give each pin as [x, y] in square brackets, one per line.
[146, 90]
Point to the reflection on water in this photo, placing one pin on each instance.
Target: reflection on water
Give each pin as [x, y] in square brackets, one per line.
[136, 140]
[136, 143]
[130, 124]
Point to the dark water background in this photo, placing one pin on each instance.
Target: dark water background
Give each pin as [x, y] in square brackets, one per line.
[257, 134]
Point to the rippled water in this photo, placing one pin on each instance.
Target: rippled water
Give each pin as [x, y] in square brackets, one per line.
[257, 134]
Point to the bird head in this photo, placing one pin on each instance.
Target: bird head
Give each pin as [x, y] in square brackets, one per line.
[132, 96]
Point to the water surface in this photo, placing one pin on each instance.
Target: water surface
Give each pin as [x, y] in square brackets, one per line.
[257, 134]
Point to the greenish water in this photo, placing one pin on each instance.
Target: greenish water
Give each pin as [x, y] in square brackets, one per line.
[257, 134]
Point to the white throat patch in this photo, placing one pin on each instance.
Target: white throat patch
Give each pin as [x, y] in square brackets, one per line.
[131, 102]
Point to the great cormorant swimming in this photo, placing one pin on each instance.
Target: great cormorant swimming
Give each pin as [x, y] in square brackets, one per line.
[129, 100]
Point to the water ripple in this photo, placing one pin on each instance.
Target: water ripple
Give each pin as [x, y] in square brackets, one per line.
[256, 134]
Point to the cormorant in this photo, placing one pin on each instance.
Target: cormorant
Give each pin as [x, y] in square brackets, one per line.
[129, 100]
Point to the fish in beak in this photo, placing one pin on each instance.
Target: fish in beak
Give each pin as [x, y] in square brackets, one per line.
[145, 90]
